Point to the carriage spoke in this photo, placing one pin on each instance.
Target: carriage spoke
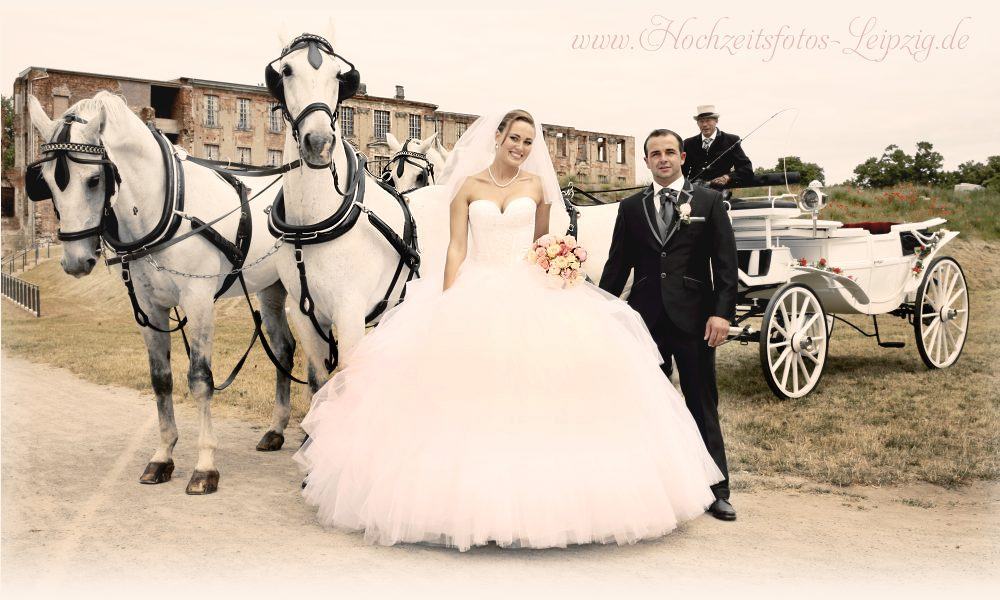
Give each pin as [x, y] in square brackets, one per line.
[811, 320]
[795, 311]
[784, 374]
[955, 297]
[781, 358]
[784, 317]
[812, 357]
[952, 280]
[780, 330]
[805, 369]
[930, 328]
[795, 373]
[780, 344]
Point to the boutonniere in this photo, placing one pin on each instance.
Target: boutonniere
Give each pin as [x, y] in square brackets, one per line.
[684, 210]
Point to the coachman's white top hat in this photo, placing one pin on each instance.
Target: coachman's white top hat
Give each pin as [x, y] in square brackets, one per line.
[706, 111]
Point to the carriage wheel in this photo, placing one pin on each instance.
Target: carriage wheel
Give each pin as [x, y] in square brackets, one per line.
[793, 341]
[941, 323]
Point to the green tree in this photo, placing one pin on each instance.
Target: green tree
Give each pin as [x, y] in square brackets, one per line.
[8, 131]
[807, 170]
[972, 171]
[896, 166]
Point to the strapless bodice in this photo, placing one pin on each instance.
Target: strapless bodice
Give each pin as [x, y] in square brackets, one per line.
[501, 237]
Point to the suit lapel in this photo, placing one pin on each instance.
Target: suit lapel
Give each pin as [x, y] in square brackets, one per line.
[649, 211]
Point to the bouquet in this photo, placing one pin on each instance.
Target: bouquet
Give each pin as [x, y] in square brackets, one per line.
[559, 256]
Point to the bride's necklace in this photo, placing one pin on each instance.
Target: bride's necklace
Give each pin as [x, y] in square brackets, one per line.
[489, 169]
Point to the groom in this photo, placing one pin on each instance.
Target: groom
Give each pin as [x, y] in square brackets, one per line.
[678, 239]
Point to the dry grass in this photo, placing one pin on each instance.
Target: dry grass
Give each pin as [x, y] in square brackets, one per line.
[878, 417]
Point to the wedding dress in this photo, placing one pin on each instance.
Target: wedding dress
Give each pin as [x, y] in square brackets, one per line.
[505, 409]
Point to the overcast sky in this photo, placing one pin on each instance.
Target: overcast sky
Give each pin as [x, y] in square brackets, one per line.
[852, 96]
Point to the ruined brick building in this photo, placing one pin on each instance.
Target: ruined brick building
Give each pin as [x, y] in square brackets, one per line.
[214, 119]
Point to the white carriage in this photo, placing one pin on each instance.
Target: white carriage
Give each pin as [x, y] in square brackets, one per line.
[797, 274]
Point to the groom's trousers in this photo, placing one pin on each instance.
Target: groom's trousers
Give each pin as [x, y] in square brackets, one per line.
[696, 368]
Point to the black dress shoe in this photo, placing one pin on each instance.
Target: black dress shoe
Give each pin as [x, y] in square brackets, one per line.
[721, 509]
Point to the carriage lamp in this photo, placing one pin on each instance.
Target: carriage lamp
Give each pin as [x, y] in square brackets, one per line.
[812, 200]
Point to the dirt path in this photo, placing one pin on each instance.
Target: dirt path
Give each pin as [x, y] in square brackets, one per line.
[74, 516]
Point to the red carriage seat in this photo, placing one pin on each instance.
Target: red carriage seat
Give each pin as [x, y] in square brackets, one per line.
[873, 227]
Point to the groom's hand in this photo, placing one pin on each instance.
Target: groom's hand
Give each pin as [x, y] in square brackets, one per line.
[716, 331]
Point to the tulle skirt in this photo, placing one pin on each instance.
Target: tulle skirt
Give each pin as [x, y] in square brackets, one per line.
[509, 410]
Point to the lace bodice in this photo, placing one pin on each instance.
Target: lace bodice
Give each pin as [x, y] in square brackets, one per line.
[501, 238]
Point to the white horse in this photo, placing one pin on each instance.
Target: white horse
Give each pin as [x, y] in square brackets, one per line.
[415, 163]
[347, 277]
[138, 205]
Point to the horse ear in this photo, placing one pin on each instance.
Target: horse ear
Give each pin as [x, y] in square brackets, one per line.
[283, 36]
[331, 31]
[394, 144]
[427, 142]
[45, 126]
[94, 128]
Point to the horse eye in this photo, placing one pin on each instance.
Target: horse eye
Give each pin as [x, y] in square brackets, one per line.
[286, 70]
[421, 178]
[94, 181]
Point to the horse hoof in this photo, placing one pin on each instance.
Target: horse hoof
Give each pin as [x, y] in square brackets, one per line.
[157, 472]
[270, 442]
[203, 482]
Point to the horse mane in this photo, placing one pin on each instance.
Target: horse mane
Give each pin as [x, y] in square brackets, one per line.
[115, 107]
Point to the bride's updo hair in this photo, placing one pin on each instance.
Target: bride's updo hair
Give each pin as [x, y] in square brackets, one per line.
[512, 117]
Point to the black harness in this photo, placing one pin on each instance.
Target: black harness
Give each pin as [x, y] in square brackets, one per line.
[404, 157]
[61, 151]
[336, 225]
[163, 233]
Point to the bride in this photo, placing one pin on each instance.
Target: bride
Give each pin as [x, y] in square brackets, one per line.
[504, 408]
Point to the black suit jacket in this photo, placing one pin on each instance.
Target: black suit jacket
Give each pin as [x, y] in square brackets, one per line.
[735, 163]
[688, 277]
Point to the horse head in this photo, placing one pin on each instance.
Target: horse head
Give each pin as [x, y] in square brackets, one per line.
[75, 173]
[310, 81]
[412, 165]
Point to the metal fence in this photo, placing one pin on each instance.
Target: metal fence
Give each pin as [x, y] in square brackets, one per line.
[21, 293]
[21, 259]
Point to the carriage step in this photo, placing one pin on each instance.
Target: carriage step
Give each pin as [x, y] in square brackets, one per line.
[892, 344]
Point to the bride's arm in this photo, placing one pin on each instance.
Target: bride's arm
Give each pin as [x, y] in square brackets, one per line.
[541, 211]
[458, 243]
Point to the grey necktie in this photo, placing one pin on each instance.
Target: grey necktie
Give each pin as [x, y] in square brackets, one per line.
[666, 216]
[705, 143]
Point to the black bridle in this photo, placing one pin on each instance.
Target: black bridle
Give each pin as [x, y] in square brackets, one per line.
[317, 46]
[61, 151]
[404, 157]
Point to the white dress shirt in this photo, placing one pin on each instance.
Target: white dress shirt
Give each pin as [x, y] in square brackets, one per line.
[677, 185]
[712, 137]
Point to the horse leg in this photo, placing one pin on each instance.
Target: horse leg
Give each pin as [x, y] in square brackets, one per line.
[313, 345]
[272, 309]
[349, 317]
[161, 465]
[205, 478]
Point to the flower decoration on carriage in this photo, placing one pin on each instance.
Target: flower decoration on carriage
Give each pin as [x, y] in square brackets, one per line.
[559, 256]
[822, 265]
[925, 250]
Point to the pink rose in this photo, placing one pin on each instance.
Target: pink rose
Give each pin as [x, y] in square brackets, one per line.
[540, 252]
[570, 241]
[546, 240]
[580, 253]
[565, 273]
[544, 263]
[563, 248]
